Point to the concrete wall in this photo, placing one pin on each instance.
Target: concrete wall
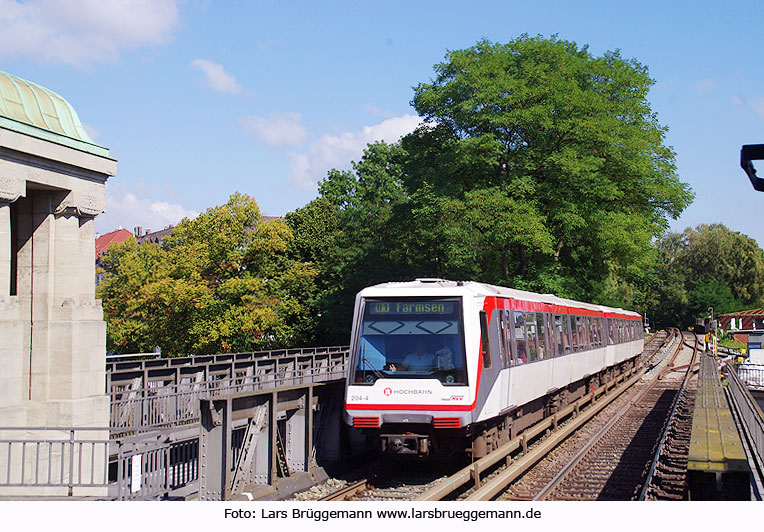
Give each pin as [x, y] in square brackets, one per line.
[52, 332]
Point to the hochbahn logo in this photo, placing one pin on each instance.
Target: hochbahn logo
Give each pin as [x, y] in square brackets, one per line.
[389, 391]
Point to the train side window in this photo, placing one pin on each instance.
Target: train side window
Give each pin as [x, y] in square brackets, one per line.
[549, 341]
[485, 339]
[582, 337]
[521, 351]
[541, 336]
[610, 331]
[531, 334]
[511, 357]
[559, 335]
[575, 328]
[508, 338]
[505, 338]
[502, 345]
[601, 329]
[591, 324]
[566, 336]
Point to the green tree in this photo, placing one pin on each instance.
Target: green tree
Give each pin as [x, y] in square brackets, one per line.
[570, 137]
[706, 266]
[223, 282]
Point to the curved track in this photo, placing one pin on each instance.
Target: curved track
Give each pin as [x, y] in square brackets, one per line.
[620, 460]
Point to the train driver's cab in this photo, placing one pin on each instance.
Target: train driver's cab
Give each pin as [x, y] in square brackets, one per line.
[411, 339]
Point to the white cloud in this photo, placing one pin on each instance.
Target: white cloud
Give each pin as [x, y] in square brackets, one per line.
[705, 86]
[337, 151]
[378, 111]
[758, 106]
[125, 209]
[216, 77]
[81, 32]
[737, 100]
[92, 132]
[279, 130]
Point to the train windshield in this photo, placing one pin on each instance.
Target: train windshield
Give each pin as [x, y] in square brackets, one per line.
[411, 338]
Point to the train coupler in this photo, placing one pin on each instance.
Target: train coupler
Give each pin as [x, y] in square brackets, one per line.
[405, 444]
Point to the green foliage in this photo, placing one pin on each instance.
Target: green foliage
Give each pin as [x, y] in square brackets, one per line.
[569, 136]
[708, 266]
[539, 166]
[222, 282]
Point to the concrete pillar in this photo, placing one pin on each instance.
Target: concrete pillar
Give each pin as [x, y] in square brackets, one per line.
[52, 333]
[13, 385]
[5, 249]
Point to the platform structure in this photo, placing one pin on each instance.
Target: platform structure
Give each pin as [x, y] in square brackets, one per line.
[717, 466]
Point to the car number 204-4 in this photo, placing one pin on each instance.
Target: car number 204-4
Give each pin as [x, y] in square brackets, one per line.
[359, 397]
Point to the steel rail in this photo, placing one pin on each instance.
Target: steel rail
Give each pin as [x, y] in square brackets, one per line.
[347, 492]
[557, 480]
[669, 422]
[529, 458]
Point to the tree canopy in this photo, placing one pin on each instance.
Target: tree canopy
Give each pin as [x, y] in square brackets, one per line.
[223, 282]
[538, 166]
[705, 266]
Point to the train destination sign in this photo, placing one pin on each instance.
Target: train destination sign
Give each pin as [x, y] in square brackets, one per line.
[411, 307]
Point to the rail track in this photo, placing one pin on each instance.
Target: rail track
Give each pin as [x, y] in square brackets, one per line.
[638, 453]
[394, 484]
[505, 466]
[525, 468]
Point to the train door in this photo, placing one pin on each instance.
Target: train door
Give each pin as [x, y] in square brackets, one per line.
[505, 341]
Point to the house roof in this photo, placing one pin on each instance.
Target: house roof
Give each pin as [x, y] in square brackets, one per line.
[103, 242]
[753, 313]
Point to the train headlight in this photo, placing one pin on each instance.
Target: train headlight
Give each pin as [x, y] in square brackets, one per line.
[449, 379]
[369, 378]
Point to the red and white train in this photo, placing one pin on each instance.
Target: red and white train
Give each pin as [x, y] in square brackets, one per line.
[443, 367]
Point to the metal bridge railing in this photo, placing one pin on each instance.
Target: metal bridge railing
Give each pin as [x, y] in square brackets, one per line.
[148, 366]
[54, 461]
[158, 405]
[752, 375]
[748, 410]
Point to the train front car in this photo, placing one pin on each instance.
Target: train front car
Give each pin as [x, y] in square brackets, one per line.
[442, 367]
[408, 385]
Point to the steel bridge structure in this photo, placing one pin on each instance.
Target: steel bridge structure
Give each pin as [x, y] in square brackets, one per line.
[209, 427]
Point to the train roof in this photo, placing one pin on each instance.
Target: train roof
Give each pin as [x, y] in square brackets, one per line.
[431, 287]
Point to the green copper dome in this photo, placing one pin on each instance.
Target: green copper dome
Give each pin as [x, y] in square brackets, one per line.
[34, 110]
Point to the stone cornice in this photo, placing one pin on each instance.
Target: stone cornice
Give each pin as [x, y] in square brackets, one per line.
[83, 203]
[11, 188]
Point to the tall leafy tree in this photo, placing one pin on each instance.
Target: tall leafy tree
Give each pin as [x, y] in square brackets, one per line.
[567, 135]
[222, 282]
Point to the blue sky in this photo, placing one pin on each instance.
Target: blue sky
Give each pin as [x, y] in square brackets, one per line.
[199, 99]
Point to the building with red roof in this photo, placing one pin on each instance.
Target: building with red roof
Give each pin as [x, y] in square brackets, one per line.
[103, 242]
